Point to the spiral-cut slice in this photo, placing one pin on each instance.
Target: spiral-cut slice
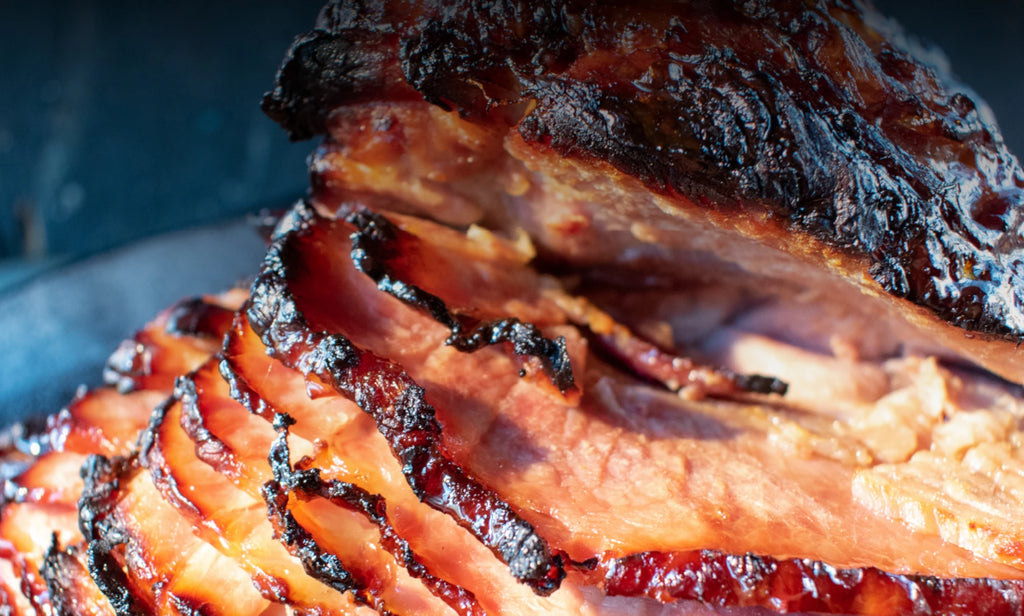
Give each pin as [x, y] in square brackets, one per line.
[39, 517]
[72, 589]
[521, 437]
[227, 517]
[494, 281]
[352, 451]
[163, 565]
[368, 563]
[386, 392]
[180, 339]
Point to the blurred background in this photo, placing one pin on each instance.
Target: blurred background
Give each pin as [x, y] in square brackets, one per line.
[120, 120]
[132, 144]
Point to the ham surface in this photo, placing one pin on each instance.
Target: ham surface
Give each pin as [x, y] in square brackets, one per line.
[700, 308]
[44, 556]
[520, 439]
[793, 142]
[378, 435]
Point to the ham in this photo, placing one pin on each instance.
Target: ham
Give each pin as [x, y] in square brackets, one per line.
[45, 561]
[792, 142]
[707, 308]
[292, 309]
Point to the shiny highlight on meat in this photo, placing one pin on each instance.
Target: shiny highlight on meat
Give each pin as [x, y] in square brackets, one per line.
[307, 483]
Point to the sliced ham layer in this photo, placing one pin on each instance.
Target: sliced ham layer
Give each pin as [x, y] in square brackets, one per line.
[236, 444]
[713, 473]
[39, 516]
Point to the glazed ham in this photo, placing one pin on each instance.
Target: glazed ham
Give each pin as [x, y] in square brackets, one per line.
[374, 437]
[592, 309]
[44, 563]
[785, 141]
[710, 470]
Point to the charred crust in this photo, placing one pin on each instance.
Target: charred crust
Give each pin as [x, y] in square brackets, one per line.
[112, 580]
[208, 447]
[151, 455]
[376, 241]
[317, 62]
[339, 63]
[619, 346]
[239, 391]
[198, 318]
[870, 151]
[70, 588]
[59, 573]
[316, 561]
[760, 384]
[103, 477]
[526, 340]
[309, 483]
[800, 585]
[407, 422]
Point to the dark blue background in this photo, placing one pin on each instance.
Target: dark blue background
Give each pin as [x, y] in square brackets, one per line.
[119, 120]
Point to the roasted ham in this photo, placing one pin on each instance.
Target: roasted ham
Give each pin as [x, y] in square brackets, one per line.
[783, 141]
[700, 308]
[44, 559]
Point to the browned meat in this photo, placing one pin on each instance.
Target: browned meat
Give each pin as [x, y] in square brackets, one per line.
[636, 509]
[794, 141]
[45, 565]
[478, 299]
[340, 551]
[338, 452]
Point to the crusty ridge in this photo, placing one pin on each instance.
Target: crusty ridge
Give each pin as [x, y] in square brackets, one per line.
[820, 121]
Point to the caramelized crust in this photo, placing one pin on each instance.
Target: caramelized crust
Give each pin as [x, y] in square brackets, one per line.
[809, 129]
[39, 516]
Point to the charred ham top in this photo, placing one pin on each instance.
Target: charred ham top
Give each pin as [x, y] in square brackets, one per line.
[813, 117]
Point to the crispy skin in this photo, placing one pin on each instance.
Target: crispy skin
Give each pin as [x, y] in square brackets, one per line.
[808, 128]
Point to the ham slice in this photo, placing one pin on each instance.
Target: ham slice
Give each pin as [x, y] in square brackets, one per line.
[45, 562]
[513, 433]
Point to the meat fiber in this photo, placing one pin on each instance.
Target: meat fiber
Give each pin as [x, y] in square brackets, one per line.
[784, 141]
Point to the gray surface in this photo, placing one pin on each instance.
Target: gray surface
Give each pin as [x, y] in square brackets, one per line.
[57, 331]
